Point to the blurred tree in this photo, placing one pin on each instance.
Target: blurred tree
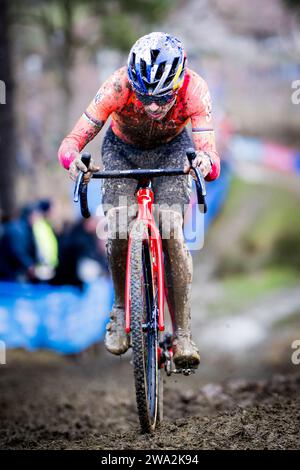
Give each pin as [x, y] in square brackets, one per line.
[126, 20]
[120, 23]
[293, 5]
[8, 148]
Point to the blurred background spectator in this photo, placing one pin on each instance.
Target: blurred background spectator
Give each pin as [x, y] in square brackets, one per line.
[82, 256]
[18, 248]
[28, 245]
[32, 252]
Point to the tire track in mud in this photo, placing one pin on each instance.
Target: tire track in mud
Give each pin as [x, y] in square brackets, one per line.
[50, 402]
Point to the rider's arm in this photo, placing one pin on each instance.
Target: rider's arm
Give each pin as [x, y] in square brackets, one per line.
[111, 97]
[202, 125]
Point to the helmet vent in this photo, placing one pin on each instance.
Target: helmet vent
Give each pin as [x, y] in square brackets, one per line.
[133, 59]
[168, 80]
[173, 72]
[132, 65]
[174, 67]
[143, 68]
[154, 54]
[160, 71]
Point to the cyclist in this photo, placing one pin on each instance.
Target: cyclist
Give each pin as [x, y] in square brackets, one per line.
[150, 102]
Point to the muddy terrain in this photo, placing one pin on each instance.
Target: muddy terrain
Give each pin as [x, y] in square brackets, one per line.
[50, 402]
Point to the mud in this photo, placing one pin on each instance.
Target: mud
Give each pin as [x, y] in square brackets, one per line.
[50, 402]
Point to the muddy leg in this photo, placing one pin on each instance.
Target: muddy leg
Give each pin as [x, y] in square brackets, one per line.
[179, 273]
[116, 340]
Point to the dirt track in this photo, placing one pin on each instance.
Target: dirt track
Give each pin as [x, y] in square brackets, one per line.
[48, 402]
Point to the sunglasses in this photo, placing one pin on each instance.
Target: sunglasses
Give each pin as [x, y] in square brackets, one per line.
[159, 100]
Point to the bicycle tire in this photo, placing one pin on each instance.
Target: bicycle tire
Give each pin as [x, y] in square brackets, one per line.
[144, 341]
[160, 408]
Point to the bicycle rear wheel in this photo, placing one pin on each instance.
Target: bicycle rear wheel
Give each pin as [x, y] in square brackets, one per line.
[144, 329]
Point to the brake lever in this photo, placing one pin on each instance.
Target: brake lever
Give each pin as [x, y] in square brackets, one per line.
[77, 186]
[200, 182]
[201, 190]
[80, 191]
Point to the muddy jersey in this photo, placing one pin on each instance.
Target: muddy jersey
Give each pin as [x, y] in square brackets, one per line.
[133, 125]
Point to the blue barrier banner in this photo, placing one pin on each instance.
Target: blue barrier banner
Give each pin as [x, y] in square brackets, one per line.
[64, 319]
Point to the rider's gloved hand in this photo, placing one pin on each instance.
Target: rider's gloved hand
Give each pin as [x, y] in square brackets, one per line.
[201, 161]
[77, 166]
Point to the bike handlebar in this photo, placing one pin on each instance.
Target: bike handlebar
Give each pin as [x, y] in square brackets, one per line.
[80, 191]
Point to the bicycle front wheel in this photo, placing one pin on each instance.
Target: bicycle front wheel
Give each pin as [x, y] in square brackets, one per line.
[144, 329]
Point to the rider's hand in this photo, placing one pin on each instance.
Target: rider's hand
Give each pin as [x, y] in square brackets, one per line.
[201, 161]
[77, 166]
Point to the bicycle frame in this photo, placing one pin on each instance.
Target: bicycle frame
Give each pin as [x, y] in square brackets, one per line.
[145, 198]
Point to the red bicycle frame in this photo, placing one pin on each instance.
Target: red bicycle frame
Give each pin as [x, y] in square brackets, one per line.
[145, 199]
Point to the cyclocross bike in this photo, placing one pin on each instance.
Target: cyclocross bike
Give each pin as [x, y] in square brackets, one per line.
[145, 290]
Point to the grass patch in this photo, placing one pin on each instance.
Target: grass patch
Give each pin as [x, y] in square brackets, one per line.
[280, 218]
[251, 286]
[261, 227]
[244, 290]
[238, 192]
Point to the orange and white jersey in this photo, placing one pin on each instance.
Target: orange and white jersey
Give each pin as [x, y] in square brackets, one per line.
[133, 125]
